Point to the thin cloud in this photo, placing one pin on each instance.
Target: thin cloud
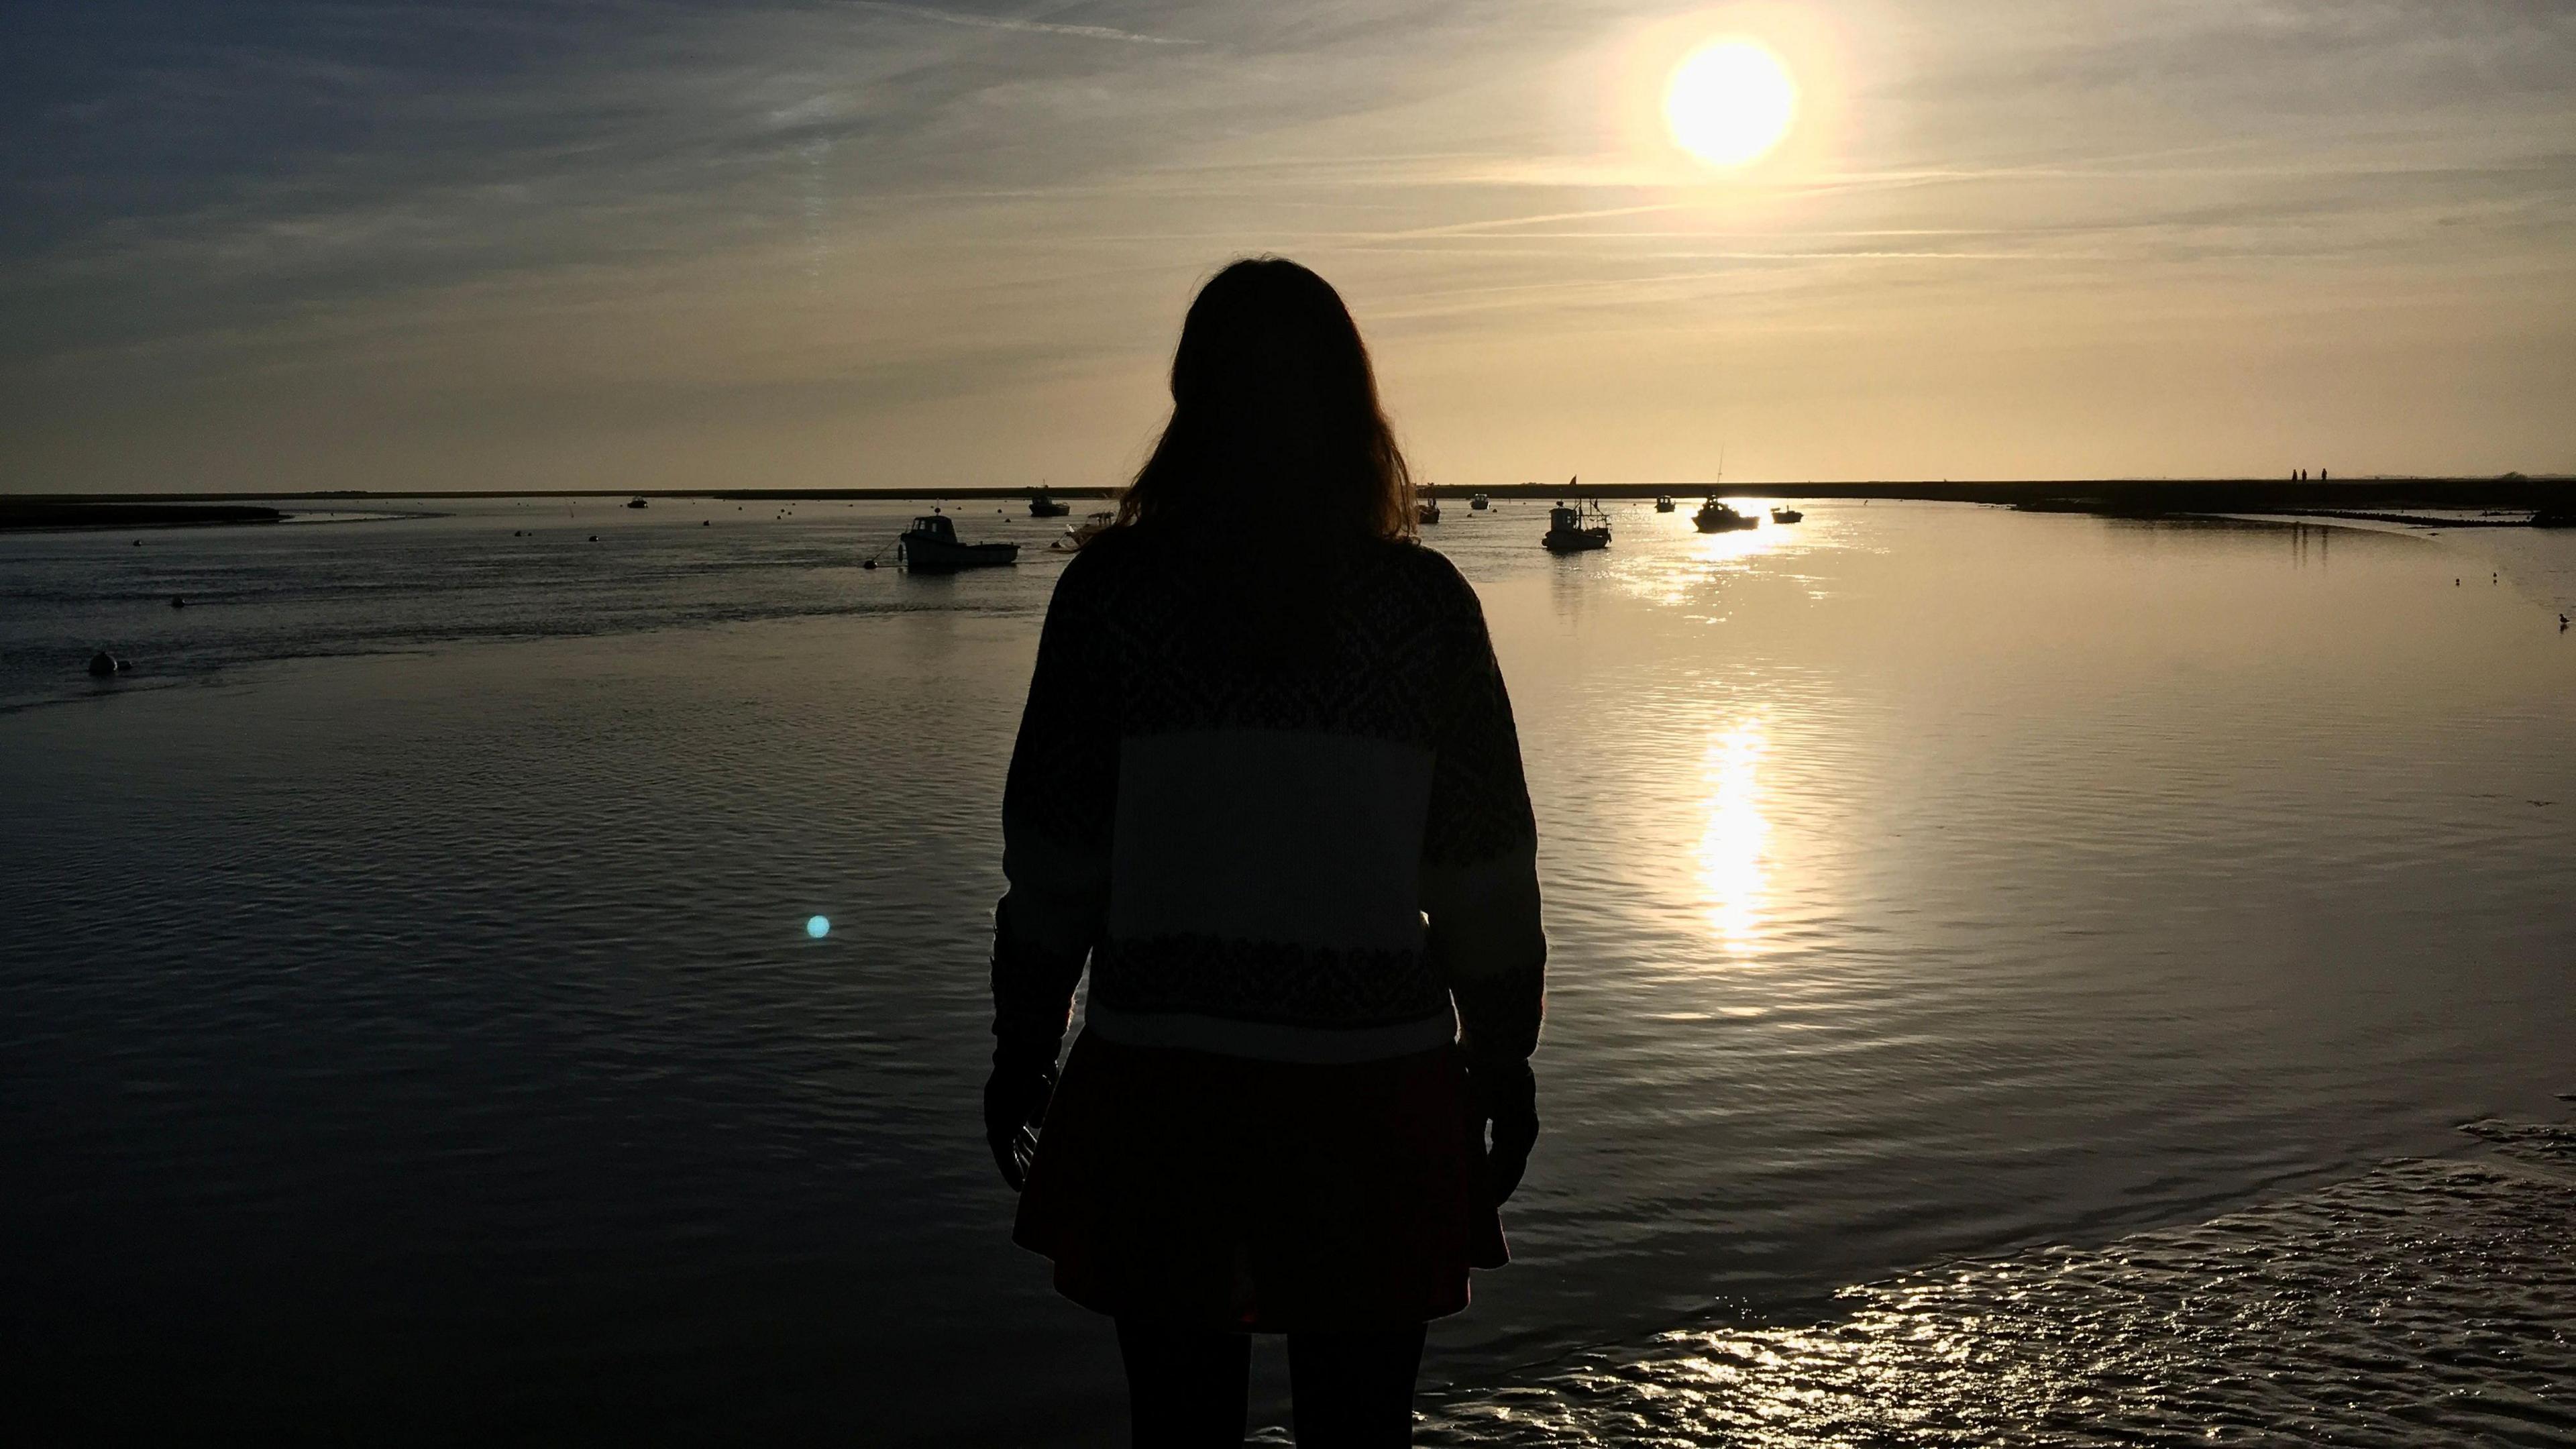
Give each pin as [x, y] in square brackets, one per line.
[1031, 27]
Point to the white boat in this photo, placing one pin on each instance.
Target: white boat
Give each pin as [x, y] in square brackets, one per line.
[1078, 534]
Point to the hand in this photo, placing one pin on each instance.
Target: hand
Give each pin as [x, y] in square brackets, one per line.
[1015, 1102]
[1506, 1095]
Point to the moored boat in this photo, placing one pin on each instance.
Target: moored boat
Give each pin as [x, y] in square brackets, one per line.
[1786, 515]
[1426, 509]
[1716, 517]
[1078, 534]
[1043, 504]
[638, 503]
[1479, 503]
[1663, 503]
[1569, 530]
[931, 545]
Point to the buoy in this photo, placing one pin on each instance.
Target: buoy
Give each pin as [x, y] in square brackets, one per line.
[178, 603]
[594, 538]
[872, 563]
[138, 543]
[102, 664]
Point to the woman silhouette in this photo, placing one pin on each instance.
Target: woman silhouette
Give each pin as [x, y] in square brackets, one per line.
[1267, 786]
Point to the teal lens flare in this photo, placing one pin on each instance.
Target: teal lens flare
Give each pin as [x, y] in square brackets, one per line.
[818, 927]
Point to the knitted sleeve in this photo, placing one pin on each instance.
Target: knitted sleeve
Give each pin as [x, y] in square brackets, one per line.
[1480, 848]
[1056, 813]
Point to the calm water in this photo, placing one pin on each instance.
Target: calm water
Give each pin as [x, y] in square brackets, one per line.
[2054, 923]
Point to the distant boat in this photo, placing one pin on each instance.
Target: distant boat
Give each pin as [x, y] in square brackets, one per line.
[1043, 505]
[1479, 503]
[1426, 509]
[1570, 531]
[931, 546]
[2554, 518]
[1663, 503]
[1078, 534]
[1716, 517]
[638, 503]
[1786, 515]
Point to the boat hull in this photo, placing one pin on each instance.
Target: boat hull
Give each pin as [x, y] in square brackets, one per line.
[932, 556]
[1715, 517]
[1578, 541]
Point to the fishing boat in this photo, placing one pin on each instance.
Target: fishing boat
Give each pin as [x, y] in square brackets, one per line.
[1078, 534]
[1042, 504]
[1717, 517]
[1663, 503]
[1479, 503]
[1426, 509]
[1570, 530]
[1786, 515]
[931, 546]
[638, 503]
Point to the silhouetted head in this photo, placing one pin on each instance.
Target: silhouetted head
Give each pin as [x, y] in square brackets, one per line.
[1274, 406]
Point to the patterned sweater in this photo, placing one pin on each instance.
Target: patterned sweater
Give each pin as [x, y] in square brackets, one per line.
[1280, 813]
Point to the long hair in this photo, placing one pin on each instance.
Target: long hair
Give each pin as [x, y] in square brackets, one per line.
[1274, 403]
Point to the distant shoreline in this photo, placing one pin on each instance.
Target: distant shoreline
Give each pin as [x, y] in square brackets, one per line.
[2118, 497]
[33, 515]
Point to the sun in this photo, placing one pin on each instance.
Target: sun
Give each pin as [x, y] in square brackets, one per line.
[1730, 102]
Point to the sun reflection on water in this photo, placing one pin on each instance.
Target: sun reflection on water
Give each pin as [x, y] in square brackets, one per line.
[1732, 846]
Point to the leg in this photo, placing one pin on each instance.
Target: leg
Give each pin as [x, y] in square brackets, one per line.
[1186, 1387]
[1354, 1390]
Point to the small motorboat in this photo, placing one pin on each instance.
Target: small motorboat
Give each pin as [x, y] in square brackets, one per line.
[1717, 517]
[1786, 515]
[1078, 534]
[1479, 503]
[1426, 509]
[1570, 530]
[1663, 503]
[1042, 504]
[637, 503]
[931, 546]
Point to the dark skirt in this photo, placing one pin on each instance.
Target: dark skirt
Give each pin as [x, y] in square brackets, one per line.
[1195, 1189]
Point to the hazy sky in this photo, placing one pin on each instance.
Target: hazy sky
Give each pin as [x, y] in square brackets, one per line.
[858, 244]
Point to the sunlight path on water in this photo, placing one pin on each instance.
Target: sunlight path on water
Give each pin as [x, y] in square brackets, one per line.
[1731, 852]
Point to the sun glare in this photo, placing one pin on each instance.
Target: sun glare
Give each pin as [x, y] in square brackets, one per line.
[1730, 102]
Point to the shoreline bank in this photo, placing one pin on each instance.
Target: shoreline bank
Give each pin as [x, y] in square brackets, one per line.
[2138, 496]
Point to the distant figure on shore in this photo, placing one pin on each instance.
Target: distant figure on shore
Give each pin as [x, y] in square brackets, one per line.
[1256, 755]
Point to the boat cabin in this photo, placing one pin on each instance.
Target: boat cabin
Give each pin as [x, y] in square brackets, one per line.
[935, 526]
